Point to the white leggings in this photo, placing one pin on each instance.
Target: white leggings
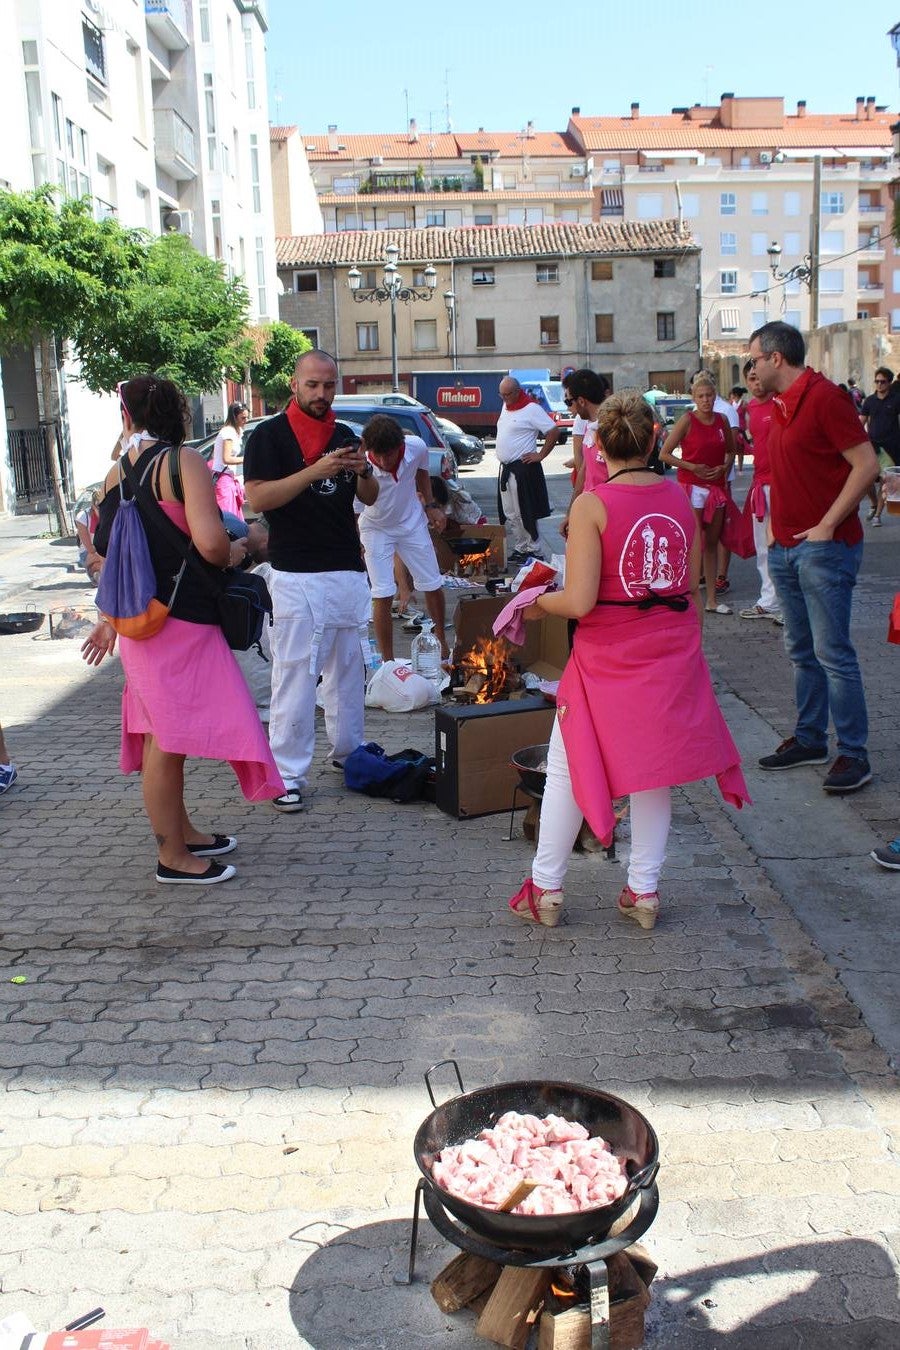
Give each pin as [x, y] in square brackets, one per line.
[651, 816]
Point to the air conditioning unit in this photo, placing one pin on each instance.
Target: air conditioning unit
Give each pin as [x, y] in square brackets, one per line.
[376, 160]
[178, 222]
[577, 171]
[765, 157]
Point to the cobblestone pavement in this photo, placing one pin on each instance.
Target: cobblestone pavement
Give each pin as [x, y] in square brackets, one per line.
[210, 1097]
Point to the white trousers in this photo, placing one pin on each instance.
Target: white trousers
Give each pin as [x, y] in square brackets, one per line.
[517, 534]
[651, 816]
[320, 623]
[768, 599]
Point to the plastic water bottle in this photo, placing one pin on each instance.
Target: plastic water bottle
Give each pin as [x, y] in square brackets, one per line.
[375, 658]
[426, 656]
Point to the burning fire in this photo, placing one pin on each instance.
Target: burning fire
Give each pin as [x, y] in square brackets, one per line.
[489, 663]
[471, 559]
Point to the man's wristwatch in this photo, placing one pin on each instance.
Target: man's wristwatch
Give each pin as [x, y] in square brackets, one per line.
[366, 472]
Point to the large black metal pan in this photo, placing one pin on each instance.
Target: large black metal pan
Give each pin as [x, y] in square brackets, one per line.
[28, 621]
[531, 765]
[463, 546]
[629, 1134]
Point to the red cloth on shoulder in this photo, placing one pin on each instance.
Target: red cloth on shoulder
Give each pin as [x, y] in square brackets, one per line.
[312, 433]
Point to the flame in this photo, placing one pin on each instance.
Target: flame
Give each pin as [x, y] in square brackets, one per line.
[562, 1293]
[472, 559]
[490, 658]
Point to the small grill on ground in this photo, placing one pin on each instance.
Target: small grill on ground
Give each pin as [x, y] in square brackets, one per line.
[578, 1246]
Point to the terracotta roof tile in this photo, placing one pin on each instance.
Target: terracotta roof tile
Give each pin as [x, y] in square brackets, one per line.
[485, 242]
[542, 144]
[389, 145]
[675, 132]
[281, 133]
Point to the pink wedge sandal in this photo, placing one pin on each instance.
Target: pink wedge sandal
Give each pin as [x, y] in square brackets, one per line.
[535, 906]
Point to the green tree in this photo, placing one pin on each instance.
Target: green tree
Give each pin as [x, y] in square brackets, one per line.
[180, 316]
[61, 273]
[272, 373]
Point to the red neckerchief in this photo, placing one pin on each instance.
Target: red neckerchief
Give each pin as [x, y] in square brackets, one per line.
[312, 433]
[786, 404]
[521, 402]
[393, 472]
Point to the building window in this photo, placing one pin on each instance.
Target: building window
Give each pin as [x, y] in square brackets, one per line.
[262, 305]
[313, 335]
[759, 203]
[791, 243]
[248, 67]
[216, 213]
[832, 203]
[369, 279]
[827, 316]
[602, 269]
[483, 218]
[254, 173]
[665, 327]
[528, 215]
[306, 281]
[759, 281]
[728, 320]
[663, 267]
[758, 318]
[367, 337]
[895, 320]
[690, 205]
[549, 327]
[603, 328]
[435, 219]
[728, 282]
[94, 54]
[425, 335]
[793, 317]
[546, 273]
[418, 277]
[484, 333]
[209, 100]
[56, 106]
[759, 244]
[204, 20]
[832, 241]
[482, 276]
[670, 380]
[728, 243]
[832, 281]
[792, 203]
[727, 204]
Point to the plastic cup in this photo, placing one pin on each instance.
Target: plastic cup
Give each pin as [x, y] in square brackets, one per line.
[892, 491]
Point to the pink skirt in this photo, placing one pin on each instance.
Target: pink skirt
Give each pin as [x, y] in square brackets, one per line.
[637, 711]
[229, 493]
[185, 689]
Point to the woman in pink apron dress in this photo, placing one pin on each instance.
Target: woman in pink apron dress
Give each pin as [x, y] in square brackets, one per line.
[636, 713]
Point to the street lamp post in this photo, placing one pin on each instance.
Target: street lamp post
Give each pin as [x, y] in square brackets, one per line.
[450, 302]
[391, 290]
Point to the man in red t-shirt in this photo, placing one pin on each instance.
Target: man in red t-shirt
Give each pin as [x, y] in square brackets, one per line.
[821, 469]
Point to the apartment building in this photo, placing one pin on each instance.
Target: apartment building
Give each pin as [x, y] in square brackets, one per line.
[618, 296]
[741, 176]
[155, 110]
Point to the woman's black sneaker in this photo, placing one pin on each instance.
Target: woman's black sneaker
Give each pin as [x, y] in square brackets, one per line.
[170, 876]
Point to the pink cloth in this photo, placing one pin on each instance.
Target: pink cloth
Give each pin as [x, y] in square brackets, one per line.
[635, 703]
[509, 623]
[229, 493]
[185, 688]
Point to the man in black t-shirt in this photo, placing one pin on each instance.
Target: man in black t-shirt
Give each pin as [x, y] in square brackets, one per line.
[880, 414]
[303, 469]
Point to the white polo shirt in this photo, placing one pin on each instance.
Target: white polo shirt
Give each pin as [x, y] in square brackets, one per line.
[517, 432]
[397, 508]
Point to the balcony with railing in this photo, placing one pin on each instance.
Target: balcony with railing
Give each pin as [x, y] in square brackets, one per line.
[168, 21]
[175, 144]
[873, 213]
[869, 291]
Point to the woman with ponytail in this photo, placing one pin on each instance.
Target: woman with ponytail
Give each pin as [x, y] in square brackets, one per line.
[226, 453]
[636, 713]
[167, 713]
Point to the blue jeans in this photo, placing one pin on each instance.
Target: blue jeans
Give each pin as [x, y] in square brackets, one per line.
[815, 584]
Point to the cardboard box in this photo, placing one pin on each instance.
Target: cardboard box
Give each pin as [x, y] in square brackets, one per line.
[493, 534]
[546, 647]
[475, 742]
[473, 748]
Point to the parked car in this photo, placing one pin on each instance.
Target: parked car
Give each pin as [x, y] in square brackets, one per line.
[416, 420]
[206, 444]
[393, 399]
[467, 449]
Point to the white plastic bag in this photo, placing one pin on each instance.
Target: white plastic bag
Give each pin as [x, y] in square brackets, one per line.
[397, 688]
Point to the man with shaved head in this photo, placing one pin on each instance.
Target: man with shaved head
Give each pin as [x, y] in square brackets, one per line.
[522, 488]
[303, 469]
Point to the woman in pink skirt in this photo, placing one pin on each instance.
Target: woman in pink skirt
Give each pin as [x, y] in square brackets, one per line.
[167, 711]
[636, 713]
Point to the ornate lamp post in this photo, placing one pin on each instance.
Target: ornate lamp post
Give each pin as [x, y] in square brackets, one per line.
[801, 271]
[391, 290]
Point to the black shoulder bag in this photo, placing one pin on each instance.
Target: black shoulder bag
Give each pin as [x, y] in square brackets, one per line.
[242, 598]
